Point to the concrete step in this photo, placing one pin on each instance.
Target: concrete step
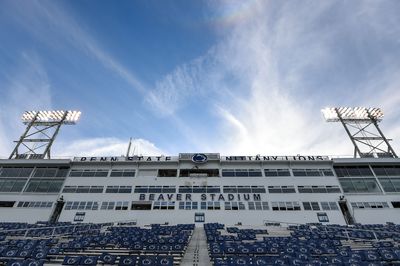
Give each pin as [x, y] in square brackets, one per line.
[197, 253]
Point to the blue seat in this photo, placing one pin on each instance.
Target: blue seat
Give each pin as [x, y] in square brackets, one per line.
[33, 263]
[127, 261]
[69, 260]
[107, 258]
[24, 253]
[147, 261]
[15, 263]
[39, 255]
[165, 260]
[89, 260]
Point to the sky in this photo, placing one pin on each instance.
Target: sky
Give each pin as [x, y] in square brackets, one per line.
[232, 77]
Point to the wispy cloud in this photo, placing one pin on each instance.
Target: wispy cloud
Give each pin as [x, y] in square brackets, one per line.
[107, 147]
[49, 21]
[26, 87]
[277, 67]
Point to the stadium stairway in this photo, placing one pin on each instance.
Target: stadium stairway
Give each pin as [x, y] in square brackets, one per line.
[197, 253]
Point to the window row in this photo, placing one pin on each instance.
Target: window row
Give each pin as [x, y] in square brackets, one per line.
[164, 205]
[119, 189]
[326, 206]
[349, 171]
[155, 189]
[102, 173]
[81, 205]
[83, 189]
[390, 184]
[312, 172]
[285, 206]
[241, 172]
[319, 189]
[16, 171]
[258, 205]
[38, 185]
[369, 205]
[35, 204]
[386, 170]
[12, 184]
[359, 185]
[51, 172]
[199, 189]
[244, 189]
[118, 206]
[281, 189]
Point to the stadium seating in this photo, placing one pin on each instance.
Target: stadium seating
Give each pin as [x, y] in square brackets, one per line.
[305, 245]
[92, 244]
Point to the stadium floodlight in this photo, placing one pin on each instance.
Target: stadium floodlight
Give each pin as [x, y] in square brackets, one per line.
[354, 114]
[361, 124]
[65, 117]
[41, 131]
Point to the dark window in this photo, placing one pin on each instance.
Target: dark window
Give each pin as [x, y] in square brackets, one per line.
[396, 204]
[276, 172]
[141, 206]
[167, 172]
[7, 204]
[16, 171]
[122, 173]
[345, 171]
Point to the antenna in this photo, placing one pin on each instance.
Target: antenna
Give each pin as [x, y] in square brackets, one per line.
[361, 125]
[41, 130]
[129, 147]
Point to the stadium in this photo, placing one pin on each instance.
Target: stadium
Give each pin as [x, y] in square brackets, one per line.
[201, 208]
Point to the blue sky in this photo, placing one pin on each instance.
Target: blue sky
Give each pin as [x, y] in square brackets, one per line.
[235, 77]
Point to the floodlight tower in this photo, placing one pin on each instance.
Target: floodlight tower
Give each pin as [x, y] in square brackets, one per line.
[41, 130]
[361, 124]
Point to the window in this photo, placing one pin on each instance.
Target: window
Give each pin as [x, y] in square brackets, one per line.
[81, 205]
[277, 172]
[319, 189]
[210, 205]
[119, 189]
[88, 173]
[285, 206]
[386, 170]
[79, 217]
[7, 204]
[311, 206]
[369, 205]
[141, 206]
[122, 173]
[323, 217]
[281, 189]
[35, 204]
[349, 171]
[107, 205]
[121, 206]
[44, 185]
[390, 184]
[359, 185]
[199, 173]
[167, 172]
[329, 206]
[155, 189]
[312, 172]
[188, 205]
[199, 189]
[51, 172]
[241, 172]
[243, 189]
[16, 171]
[163, 205]
[396, 204]
[12, 184]
[83, 189]
[258, 205]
